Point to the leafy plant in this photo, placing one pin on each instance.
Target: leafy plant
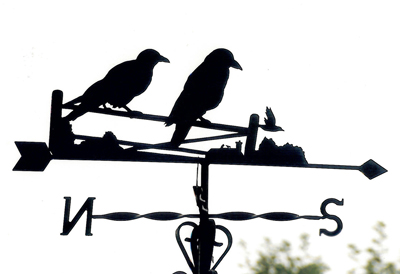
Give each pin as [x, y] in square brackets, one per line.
[375, 263]
[278, 259]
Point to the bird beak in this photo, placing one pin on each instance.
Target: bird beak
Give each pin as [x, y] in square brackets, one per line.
[236, 65]
[163, 59]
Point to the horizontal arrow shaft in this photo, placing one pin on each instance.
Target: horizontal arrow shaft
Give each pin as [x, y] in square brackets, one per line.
[346, 167]
[370, 168]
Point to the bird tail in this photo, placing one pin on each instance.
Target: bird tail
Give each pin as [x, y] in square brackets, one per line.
[180, 133]
[168, 122]
[73, 102]
[75, 114]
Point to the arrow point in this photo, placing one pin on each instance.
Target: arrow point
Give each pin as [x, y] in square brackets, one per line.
[35, 156]
[372, 169]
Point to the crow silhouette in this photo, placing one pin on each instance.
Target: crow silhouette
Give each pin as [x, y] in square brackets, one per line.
[203, 91]
[121, 84]
[270, 121]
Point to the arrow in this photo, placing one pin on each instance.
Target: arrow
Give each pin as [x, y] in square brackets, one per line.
[35, 156]
[370, 168]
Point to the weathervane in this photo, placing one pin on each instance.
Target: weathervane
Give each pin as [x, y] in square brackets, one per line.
[202, 92]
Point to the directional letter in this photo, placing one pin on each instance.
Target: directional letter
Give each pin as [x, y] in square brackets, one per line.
[69, 225]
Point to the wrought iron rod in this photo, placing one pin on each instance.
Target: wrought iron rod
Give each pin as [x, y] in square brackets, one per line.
[195, 140]
[333, 166]
[139, 146]
[159, 118]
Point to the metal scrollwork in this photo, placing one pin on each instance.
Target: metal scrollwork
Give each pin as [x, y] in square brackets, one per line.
[204, 240]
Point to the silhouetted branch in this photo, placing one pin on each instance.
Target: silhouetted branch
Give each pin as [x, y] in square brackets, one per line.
[141, 146]
[136, 145]
[159, 118]
[212, 138]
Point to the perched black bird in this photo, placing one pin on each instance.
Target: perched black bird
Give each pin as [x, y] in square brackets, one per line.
[270, 121]
[121, 84]
[203, 91]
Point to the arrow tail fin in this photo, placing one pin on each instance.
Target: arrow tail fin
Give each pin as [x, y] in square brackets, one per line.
[35, 156]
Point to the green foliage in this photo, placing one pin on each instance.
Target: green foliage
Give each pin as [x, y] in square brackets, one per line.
[278, 259]
[375, 263]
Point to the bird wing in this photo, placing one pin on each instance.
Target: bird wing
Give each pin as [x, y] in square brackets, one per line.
[270, 116]
[187, 108]
[203, 91]
[93, 97]
[126, 81]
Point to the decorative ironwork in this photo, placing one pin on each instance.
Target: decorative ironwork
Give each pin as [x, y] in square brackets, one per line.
[194, 240]
[35, 156]
[202, 240]
[202, 92]
[231, 216]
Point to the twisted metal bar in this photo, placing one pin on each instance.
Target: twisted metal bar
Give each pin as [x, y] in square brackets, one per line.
[232, 216]
[158, 216]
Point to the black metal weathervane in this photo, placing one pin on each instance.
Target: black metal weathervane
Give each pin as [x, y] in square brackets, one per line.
[202, 92]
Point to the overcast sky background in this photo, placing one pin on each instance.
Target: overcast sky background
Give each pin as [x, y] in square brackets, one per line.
[329, 70]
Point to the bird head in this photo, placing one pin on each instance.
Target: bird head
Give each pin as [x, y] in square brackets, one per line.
[151, 56]
[223, 57]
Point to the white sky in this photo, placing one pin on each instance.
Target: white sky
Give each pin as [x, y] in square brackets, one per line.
[329, 70]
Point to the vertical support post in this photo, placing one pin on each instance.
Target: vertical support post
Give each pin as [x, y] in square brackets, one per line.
[206, 234]
[252, 135]
[55, 118]
[204, 183]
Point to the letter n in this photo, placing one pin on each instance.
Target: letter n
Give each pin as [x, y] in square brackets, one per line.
[69, 225]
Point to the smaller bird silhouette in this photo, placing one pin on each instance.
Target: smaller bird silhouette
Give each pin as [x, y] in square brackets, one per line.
[270, 121]
[121, 84]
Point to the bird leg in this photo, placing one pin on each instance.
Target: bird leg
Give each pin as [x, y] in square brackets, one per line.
[133, 113]
[127, 109]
